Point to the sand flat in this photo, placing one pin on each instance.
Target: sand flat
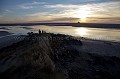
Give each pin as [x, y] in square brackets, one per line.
[100, 47]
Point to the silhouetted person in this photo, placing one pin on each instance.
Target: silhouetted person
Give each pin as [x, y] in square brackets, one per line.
[39, 31]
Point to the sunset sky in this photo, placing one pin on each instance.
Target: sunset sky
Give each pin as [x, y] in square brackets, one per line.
[86, 11]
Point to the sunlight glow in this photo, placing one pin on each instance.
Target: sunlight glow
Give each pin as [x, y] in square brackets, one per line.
[82, 16]
[82, 13]
[81, 31]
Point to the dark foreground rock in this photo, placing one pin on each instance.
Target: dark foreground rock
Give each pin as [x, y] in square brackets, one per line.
[51, 56]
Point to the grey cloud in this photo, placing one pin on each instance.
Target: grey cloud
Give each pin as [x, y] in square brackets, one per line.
[64, 19]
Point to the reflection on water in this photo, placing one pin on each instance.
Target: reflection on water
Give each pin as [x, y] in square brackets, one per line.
[92, 33]
[81, 31]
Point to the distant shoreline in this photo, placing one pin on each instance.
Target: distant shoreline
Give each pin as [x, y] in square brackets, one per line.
[93, 25]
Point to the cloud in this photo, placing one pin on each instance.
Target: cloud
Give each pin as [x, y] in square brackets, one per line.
[64, 19]
[50, 17]
[105, 5]
[8, 10]
[50, 14]
[31, 5]
[61, 6]
[35, 2]
[99, 12]
[107, 18]
[37, 14]
[97, 9]
[26, 7]
[69, 12]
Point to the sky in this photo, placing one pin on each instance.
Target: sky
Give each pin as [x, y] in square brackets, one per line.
[84, 11]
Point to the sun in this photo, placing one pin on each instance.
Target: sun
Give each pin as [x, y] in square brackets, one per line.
[82, 16]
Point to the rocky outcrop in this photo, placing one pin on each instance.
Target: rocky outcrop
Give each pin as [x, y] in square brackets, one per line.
[51, 56]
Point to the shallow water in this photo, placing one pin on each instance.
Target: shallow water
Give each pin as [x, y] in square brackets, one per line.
[91, 33]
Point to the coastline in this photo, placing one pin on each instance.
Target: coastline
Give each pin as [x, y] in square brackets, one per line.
[94, 25]
[101, 47]
[56, 56]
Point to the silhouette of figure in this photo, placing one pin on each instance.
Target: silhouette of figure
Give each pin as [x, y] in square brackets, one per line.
[39, 31]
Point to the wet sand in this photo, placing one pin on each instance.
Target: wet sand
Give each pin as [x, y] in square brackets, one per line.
[104, 48]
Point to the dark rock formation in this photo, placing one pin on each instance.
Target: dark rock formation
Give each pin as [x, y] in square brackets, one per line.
[51, 56]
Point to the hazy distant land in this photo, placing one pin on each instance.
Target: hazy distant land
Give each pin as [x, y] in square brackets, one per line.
[55, 56]
[94, 25]
[26, 28]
